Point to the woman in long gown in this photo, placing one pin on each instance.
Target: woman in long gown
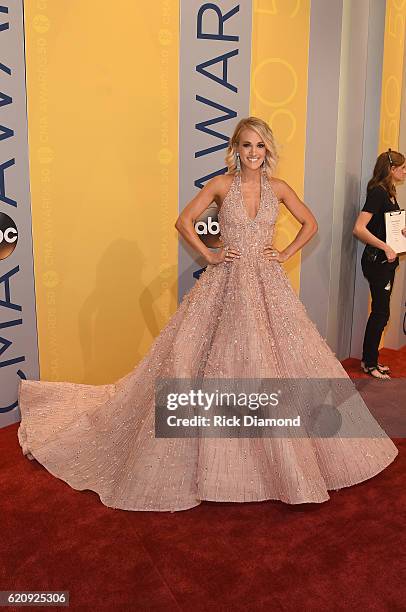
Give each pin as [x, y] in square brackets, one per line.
[242, 318]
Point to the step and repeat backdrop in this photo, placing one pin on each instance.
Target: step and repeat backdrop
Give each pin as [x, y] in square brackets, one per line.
[111, 120]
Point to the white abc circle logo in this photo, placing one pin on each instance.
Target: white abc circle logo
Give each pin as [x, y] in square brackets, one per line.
[209, 227]
[8, 235]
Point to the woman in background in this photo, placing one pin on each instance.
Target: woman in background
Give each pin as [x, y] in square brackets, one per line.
[379, 261]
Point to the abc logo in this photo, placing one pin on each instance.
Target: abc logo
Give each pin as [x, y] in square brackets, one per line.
[8, 236]
[207, 227]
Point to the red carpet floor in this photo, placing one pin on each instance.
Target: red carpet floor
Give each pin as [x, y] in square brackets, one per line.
[344, 554]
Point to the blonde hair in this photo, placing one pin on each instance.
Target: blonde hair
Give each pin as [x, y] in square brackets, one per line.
[266, 134]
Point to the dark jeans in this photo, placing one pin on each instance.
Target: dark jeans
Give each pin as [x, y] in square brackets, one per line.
[380, 278]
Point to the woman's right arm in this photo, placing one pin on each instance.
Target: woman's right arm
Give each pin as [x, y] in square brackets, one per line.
[187, 218]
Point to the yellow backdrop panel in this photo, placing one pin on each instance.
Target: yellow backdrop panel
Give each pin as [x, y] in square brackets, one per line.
[392, 74]
[280, 44]
[102, 111]
[392, 79]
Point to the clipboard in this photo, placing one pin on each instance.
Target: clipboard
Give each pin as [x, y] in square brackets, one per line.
[395, 221]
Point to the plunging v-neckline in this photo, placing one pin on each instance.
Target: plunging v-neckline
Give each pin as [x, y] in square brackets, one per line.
[260, 197]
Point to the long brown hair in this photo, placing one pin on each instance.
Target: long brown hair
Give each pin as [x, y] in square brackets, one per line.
[381, 175]
[266, 134]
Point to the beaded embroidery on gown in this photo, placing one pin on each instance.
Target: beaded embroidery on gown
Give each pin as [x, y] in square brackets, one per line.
[240, 319]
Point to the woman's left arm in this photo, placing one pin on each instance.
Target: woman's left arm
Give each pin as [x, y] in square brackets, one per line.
[301, 212]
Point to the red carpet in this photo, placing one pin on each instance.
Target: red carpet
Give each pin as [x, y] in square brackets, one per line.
[395, 359]
[345, 553]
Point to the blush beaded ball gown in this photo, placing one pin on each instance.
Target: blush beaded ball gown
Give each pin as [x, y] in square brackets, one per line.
[240, 319]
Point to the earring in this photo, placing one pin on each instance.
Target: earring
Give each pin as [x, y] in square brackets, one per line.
[263, 167]
[238, 163]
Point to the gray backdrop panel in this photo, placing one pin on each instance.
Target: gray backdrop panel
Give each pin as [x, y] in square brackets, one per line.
[18, 331]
